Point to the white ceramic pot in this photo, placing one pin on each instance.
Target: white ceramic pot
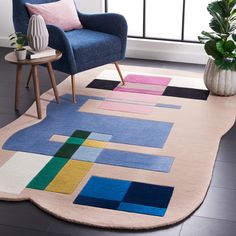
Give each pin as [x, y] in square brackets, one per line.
[20, 54]
[220, 82]
[37, 33]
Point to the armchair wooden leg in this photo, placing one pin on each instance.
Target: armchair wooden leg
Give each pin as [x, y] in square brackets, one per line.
[73, 88]
[119, 72]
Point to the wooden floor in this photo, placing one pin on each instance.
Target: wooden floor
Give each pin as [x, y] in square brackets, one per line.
[216, 216]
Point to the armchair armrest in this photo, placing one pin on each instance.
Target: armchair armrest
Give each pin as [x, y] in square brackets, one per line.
[110, 23]
[59, 41]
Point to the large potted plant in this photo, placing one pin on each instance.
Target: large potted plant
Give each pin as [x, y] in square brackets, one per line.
[220, 71]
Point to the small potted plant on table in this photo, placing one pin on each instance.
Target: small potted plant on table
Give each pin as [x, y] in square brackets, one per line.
[18, 40]
[220, 71]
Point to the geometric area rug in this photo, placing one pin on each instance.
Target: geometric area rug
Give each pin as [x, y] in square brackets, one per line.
[133, 156]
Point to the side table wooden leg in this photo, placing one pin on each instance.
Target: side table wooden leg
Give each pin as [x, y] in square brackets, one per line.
[18, 79]
[29, 78]
[36, 90]
[53, 80]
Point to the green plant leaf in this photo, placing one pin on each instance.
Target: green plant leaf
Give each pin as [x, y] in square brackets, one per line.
[210, 35]
[18, 34]
[233, 26]
[218, 11]
[216, 26]
[223, 64]
[217, 7]
[232, 19]
[211, 50]
[232, 3]
[20, 42]
[203, 39]
[234, 37]
[229, 46]
[18, 39]
[232, 12]
[220, 46]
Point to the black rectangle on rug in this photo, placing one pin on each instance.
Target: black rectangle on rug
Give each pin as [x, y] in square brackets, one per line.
[186, 93]
[103, 84]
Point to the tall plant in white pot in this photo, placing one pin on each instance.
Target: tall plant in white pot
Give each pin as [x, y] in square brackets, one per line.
[220, 71]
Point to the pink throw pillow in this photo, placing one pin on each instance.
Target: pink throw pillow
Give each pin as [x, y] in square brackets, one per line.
[62, 14]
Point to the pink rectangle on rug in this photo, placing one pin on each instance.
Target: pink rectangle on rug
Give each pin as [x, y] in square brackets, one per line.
[124, 107]
[132, 90]
[133, 97]
[147, 79]
[152, 87]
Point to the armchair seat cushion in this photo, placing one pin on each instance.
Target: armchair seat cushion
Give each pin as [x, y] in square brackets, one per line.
[93, 48]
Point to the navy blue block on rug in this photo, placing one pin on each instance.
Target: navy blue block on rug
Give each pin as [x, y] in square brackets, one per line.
[190, 93]
[123, 195]
[103, 84]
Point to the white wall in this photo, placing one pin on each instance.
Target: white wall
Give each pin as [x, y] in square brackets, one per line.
[90, 6]
[166, 51]
[6, 25]
[145, 49]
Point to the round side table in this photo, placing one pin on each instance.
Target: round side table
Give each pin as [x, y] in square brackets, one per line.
[11, 58]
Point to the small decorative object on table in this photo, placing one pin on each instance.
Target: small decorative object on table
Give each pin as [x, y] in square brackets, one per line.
[220, 71]
[37, 33]
[18, 40]
[31, 54]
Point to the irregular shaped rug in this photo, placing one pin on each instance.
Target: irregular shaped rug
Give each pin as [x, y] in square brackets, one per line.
[138, 156]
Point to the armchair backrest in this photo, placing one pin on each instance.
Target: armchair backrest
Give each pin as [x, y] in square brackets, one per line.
[21, 15]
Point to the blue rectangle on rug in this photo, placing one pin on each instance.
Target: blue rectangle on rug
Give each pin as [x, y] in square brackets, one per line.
[135, 160]
[64, 118]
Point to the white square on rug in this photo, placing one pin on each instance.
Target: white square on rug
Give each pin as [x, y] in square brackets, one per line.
[19, 170]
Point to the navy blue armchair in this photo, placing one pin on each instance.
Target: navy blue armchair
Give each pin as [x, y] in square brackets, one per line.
[102, 40]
